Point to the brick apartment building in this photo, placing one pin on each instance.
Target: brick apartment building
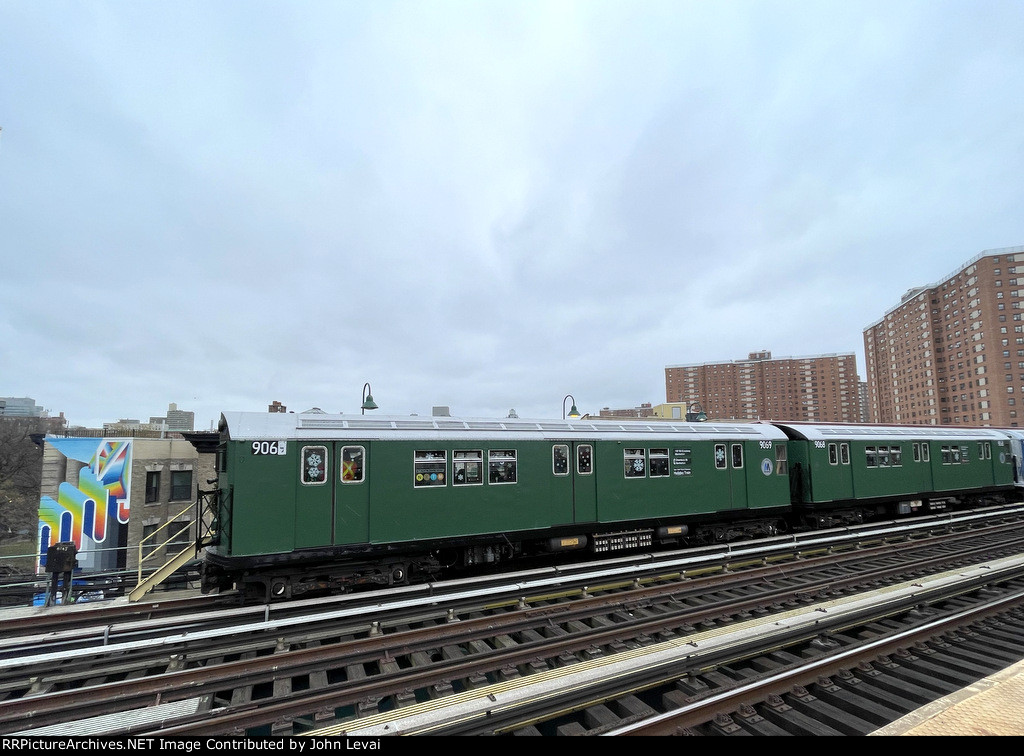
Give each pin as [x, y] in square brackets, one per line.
[952, 352]
[823, 388]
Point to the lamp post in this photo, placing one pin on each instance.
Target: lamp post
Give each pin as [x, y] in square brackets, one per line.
[368, 403]
[573, 412]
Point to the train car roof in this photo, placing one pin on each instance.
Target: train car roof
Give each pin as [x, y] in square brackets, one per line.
[815, 432]
[261, 426]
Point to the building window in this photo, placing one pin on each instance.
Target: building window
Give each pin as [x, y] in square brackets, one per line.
[181, 485]
[152, 487]
[149, 545]
[178, 537]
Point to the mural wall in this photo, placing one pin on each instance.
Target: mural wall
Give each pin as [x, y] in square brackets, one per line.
[93, 511]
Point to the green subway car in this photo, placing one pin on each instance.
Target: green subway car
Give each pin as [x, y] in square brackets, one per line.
[893, 470]
[310, 501]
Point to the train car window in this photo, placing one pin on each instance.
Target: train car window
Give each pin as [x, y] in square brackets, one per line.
[917, 452]
[737, 455]
[560, 459]
[954, 455]
[720, 461]
[871, 456]
[468, 468]
[659, 463]
[584, 459]
[896, 453]
[925, 452]
[833, 454]
[314, 465]
[501, 465]
[883, 456]
[633, 462]
[781, 460]
[430, 468]
[352, 458]
[844, 453]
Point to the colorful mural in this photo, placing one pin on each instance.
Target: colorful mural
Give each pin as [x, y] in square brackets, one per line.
[94, 513]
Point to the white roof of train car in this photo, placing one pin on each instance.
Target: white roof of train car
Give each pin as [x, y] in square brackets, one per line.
[813, 432]
[315, 426]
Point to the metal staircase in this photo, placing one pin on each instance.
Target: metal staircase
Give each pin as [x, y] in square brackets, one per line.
[152, 548]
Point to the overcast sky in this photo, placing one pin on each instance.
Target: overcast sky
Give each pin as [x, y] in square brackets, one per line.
[484, 205]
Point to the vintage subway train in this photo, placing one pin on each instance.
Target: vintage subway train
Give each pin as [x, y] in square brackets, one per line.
[316, 502]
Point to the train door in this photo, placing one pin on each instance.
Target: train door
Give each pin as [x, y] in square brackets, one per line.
[584, 483]
[314, 495]
[575, 489]
[729, 457]
[352, 494]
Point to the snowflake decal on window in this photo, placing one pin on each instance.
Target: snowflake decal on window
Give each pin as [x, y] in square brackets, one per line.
[720, 455]
[638, 465]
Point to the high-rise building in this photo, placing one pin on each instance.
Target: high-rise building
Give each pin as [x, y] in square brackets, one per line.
[823, 388]
[176, 420]
[952, 352]
[20, 406]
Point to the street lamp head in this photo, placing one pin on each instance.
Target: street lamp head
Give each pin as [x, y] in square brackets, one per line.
[368, 403]
[573, 412]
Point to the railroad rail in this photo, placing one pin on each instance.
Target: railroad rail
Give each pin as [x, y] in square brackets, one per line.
[290, 675]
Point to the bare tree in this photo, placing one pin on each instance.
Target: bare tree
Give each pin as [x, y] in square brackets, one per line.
[21, 462]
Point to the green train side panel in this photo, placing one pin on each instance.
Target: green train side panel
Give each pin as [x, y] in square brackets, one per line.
[1003, 472]
[694, 485]
[698, 488]
[402, 511]
[909, 478]
[263, 500]
[824, 482]
[767, 479]
[971, 471]
[828, 481]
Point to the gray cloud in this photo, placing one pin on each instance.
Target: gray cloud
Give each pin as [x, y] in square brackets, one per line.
[486, 206]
